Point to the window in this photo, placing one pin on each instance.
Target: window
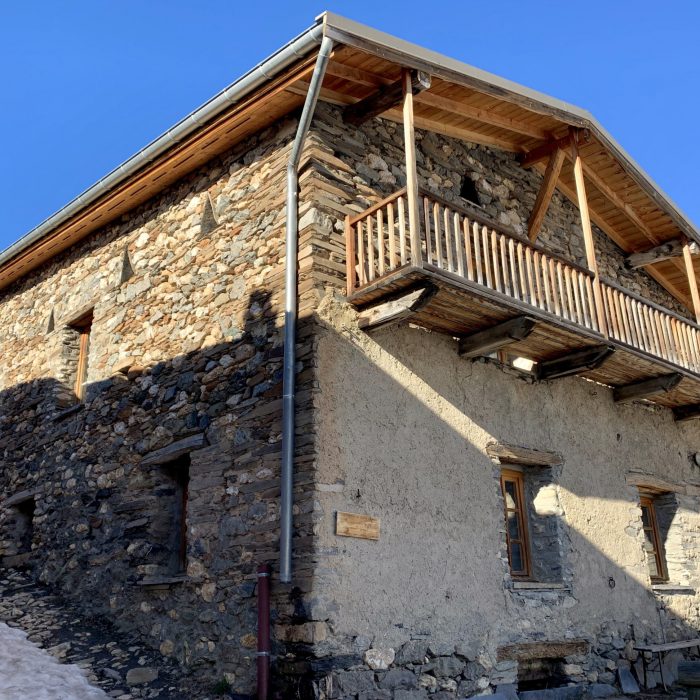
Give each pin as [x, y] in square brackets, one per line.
[653, 545]
[80, 335]
[516, 523]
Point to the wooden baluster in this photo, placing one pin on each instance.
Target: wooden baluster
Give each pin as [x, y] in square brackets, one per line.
[494, 261]
[351, 268]
[590, 296]
[577, 301]
[663, 350]
[670, 340]
[680, 357]
[514, 277]
[504, 264]
[362, 271]
[522, 272]
[624, 317]
[581, 284]
[487, 256]
[650, 327]
[560, 292]
[468, 248]
[546, 283]
[380, 241]
[555, 287]
[448, 238]
[426, 217]
[569, 294]
[392, 236]
[438, 235]
[457, 233]
[370, 248]
[534, 297]
[683, 327]
[613, 314]
[477, 254]
[402, 231]
[540, 284]
[632, 322]
[693, 333]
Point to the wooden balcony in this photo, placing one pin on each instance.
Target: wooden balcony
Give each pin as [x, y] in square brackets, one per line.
[495, 290]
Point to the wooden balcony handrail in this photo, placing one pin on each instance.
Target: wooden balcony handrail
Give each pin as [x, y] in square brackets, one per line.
[376, 207]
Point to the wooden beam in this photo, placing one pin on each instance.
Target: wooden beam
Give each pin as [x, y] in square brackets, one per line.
[384, 99]
[544, 196]
[545, 150]
[409, 136]
[692, 281]
[664, 251]
[512, 454]
[647, 387]
[588, 234]
[487, 341]
[574, 362]
[396, 310]
[688, 412]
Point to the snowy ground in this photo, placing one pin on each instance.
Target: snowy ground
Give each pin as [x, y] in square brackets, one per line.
[26, 671]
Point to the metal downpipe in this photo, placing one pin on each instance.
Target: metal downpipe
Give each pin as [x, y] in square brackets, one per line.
[290, 312]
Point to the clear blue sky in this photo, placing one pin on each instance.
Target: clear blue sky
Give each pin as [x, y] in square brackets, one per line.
[86, 83]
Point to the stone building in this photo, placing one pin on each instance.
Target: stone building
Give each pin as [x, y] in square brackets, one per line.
[486, 414]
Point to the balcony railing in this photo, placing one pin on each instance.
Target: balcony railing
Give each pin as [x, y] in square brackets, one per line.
[455, 242]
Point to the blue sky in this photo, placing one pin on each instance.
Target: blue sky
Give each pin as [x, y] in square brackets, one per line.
[88, 83]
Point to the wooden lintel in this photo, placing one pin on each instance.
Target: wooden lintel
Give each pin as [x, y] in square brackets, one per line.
[664, 251]
[487, 341]
[544, 196]
[688, 412]
[174, 450]
[647, 387]
[396, 310]
[545, 150]
[512, 454]
[384, 99]
[574, 362]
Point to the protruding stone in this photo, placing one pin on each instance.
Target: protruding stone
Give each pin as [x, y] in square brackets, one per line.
[379, 659]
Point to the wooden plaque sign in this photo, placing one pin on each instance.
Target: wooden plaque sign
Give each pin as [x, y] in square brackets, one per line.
[364, 527]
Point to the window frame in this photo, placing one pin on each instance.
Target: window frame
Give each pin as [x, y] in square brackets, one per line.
[646, 500]
[83, 326]
[510, 475]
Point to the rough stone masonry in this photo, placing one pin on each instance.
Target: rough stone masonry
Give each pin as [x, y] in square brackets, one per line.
[154, 499]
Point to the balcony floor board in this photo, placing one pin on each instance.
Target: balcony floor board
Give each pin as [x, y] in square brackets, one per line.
[461, 307]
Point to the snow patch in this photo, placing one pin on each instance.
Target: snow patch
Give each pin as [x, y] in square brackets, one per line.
[26, 671]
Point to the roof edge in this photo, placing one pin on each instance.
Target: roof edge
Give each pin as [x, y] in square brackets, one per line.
[297, 48]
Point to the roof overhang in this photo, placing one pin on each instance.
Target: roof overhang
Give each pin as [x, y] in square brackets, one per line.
[463, 102]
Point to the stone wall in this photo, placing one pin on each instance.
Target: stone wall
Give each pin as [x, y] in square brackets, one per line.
[403, 424]
[185, 357]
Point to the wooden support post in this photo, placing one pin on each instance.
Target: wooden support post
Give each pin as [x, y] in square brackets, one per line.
[349, 256]
[409, 134]
[396, 310]
[588, 238]
[488, 341]
[574, 362]
[647, 387]
[544, 196]
[692, 281]
[683, 413]
[384, 99]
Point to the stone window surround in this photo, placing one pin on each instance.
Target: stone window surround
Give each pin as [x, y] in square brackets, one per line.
[523, 459]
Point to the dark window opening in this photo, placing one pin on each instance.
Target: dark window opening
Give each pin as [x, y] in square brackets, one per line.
[469, 191]
[653, 542]
[175, 491]
[18, 532]
[540, 674]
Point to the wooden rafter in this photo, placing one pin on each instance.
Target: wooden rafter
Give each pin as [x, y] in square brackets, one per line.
[487, 341]
[692, 281]
[664, 251]
[545, 150]
[384, 99]
[395, 310]
[647, 387]
[544, 196]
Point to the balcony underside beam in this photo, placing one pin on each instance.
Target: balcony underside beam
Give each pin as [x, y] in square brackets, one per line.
[659, 253]
[384, 99]
[683, 413]
[396, 310]
[487, 341]
[574, 363]
[647, 387]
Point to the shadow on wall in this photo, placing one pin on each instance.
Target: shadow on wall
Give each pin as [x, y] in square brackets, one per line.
[94, 496]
